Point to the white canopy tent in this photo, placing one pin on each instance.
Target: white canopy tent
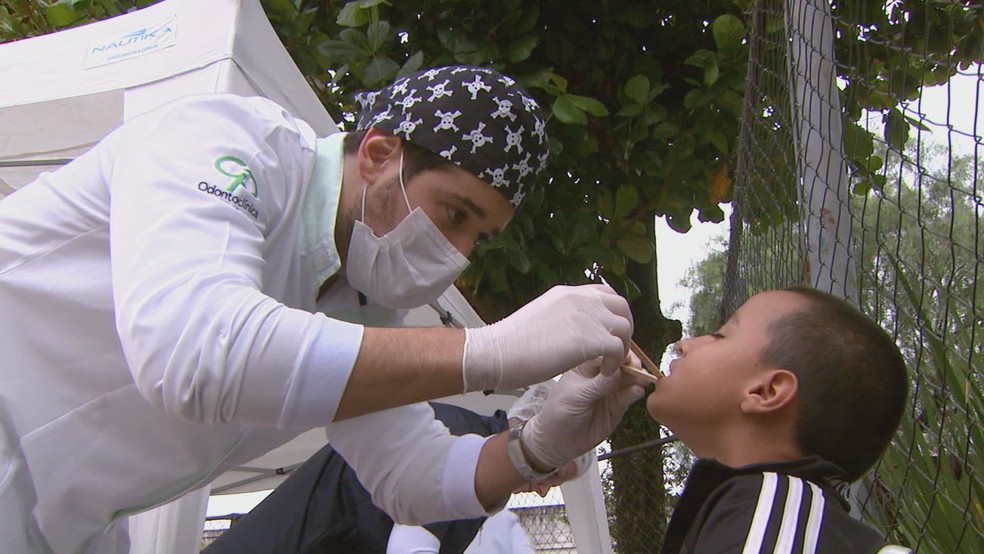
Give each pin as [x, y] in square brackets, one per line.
[63, 92]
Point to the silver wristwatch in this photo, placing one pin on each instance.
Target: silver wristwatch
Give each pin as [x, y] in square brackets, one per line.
[518, 458]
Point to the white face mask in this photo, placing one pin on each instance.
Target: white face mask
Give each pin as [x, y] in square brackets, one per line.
[407, 267]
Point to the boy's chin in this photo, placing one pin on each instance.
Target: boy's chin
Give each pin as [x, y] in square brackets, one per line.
[653, 405]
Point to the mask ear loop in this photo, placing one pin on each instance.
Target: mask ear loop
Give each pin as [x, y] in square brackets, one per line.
[403, 187]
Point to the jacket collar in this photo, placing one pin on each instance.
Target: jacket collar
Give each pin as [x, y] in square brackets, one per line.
[707, 475]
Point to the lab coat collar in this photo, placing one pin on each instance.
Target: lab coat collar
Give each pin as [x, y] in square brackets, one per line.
[321, 208]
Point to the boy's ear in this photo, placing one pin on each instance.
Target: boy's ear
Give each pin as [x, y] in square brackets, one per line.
[773, 390]
[376, 149]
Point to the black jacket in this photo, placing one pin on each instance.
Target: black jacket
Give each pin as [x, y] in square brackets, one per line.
[795, 505]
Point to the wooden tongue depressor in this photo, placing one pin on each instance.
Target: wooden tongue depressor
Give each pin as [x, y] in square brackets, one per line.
[652, 374]
[640, 373]
[647, 363]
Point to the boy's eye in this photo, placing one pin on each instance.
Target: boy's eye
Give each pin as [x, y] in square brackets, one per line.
[717, 335]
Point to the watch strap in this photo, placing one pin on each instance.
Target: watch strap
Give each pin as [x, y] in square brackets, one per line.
[517, 456]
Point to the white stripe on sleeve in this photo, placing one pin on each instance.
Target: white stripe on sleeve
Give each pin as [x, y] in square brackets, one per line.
[790, 516]
[814, 521]
[763, 509]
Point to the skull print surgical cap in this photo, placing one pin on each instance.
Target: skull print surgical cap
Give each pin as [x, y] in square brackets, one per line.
[477, 118]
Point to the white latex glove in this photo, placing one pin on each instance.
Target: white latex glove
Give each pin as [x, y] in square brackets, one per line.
[560, 329]
[529, 404]
[581, 411]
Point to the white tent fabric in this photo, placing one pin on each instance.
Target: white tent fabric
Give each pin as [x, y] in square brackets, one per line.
[63, 92]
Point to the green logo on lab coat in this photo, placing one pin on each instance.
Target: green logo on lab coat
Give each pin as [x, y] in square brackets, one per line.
[232, 166]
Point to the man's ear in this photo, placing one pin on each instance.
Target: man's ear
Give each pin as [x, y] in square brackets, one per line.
[375, 151]
[772, 391]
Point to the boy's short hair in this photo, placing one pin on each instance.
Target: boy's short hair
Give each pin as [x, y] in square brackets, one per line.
[852, 379]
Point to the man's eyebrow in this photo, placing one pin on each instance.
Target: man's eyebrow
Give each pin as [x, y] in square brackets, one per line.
[478, 210]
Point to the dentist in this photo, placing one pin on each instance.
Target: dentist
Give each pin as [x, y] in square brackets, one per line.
[210, 279]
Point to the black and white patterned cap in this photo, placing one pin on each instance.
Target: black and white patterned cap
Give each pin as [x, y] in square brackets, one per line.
[475, 117]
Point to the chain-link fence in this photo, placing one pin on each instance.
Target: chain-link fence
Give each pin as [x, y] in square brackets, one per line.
[545, 523]
[860, 172]
[216, 525]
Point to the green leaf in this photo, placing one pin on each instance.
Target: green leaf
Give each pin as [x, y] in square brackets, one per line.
[720, 141]
[678, 223]
[711, 73]
[413, 64]
[589, 105]
[568, 112]
[626, 200]
[730, 102]
[701, 58]
[728, 33]
[520, 49]
[857, 141]
[355, 38]
[352, 15]
[637, 248]
[693, 98]
[582, 232]
[65, 12]
[380, 69]
[665, 130]
[654, 114]
[377, 33]
[340, 52]
[559, 81]
[632, 110]
[527, 20]
[637, 88]
[896, 129]
[280, 8]
[606, 204]
[518, 260]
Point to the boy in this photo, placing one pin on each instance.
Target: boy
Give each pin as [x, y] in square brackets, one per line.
[796, 396]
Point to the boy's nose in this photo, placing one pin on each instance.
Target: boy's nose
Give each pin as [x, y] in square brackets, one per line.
[681, 347]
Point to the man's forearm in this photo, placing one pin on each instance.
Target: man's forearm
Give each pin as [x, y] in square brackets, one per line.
[396, 367]
[495, 476]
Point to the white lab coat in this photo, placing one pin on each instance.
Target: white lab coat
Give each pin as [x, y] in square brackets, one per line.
[500, 534]
[157, 328]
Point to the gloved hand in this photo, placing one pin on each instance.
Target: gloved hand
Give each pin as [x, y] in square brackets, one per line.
[581, 411]
[560, 329]
[528, 405]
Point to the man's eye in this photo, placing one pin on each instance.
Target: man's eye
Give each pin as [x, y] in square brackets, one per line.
[456, 215]
[717, 335]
